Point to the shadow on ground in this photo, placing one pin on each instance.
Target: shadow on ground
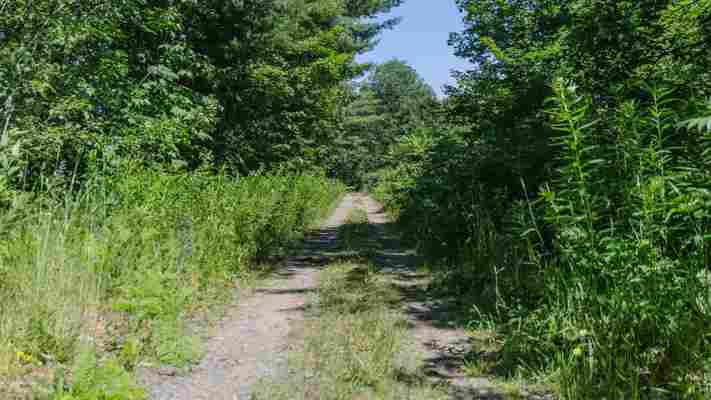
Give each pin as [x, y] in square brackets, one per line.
[436, 321]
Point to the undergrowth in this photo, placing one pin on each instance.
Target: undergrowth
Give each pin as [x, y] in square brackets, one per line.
[98, 284]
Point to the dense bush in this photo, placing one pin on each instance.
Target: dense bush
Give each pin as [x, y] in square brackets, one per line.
[236, 85]
[575, 219]
[630, 284]
[572, 214]
[92, 249]
[604, 273]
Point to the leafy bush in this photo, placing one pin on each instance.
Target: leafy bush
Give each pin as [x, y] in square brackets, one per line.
[94, 380]
[630, 281]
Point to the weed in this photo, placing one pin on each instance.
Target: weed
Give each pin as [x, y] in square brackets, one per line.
[92, 379]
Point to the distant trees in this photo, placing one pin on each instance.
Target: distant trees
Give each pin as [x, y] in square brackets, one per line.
[391, 102]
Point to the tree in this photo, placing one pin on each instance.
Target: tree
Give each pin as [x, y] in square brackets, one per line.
[284, 83]
[608, 48]
[240, 85]
[392, 101]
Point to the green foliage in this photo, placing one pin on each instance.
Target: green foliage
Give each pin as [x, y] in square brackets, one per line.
[94, 380]
[634, 252]
[603, 274]
[147, 295]
[127, 267]
[391, 102]
[703, 124]
[83, 86]
[115, 118]
[239, 85]
[569, 208]
[396, 85]
[172, 346]
[559, 197]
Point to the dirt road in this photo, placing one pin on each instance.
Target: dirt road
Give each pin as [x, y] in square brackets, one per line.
[251, 343]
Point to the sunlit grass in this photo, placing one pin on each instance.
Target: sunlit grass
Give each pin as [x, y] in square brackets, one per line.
[122, 283]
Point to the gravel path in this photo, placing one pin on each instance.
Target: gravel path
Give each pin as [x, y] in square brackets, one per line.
[442, 345]
[251, 341]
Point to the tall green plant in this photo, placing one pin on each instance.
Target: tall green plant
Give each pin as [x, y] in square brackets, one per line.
[622, 278]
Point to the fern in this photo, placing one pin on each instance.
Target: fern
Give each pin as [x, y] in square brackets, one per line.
[702, 124]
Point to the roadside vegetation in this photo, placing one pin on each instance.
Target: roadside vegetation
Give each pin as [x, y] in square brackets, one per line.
[152, 153]
[96, 287]
[563, 195]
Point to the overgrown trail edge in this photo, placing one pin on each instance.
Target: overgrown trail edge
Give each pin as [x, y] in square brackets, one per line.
[251, 342]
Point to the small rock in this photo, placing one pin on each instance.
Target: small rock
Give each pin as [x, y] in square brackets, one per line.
[168, 371]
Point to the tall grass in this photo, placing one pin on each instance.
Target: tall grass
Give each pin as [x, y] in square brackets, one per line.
[119, 270]
[629, 293]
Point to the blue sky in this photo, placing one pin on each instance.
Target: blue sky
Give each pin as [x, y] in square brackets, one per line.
[421, 40]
